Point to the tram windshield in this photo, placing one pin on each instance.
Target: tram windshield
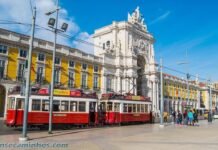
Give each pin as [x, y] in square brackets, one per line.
[11, 102]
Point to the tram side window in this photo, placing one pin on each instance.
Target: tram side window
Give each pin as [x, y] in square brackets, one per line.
[117, 107]
[73, 106]
[109, 106]
[138, 108]
[125, 107]
[64, 105]
[134, 107]
[56, 105]
[142, 108]
[82, 106]
[146, 107]
[103, 106]
[11, 102]
[45, 105]
[129, 107]
[20, 103]
[36, 104]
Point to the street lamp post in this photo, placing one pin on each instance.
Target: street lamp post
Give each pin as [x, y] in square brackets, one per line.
[161, 90]
[210, 103]
[188, 91]
[27, 89]
[53, 23]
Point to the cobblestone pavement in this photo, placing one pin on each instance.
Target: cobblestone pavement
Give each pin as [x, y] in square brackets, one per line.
[134, 137]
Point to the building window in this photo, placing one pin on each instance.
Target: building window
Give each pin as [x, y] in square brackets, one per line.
[41, 57]
[57, 61]
[103, 45]
[2, 68]
[95, 82]
[95, 69]
[57, 75]
[71, 64]
[3, 49]
[21, 69]
[109, 84]
[23, 53]
[84, 80]
[71, 79]
[39, 76]
[84, 66]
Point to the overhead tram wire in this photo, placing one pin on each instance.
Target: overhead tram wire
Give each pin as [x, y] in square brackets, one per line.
[180, 72]
[91, 44]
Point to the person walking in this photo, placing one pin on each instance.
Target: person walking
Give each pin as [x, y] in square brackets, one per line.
[179, 117]
[195, 115]
[185, 120]
[190, 118]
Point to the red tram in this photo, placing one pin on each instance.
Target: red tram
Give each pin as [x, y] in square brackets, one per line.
[119, 109]
[73, 107]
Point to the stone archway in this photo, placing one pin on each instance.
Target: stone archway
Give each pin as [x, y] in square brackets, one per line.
[141, 69]
[2, 100]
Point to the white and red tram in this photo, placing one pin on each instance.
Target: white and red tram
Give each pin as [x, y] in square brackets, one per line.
[119, 109]
[73, 107]
[67, 110]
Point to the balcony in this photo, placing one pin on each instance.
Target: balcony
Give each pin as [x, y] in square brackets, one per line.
[40, 80]
[84, 87]
[110, 90]
[71, 85]
[96, 88]
[3, 77]
[20, 78]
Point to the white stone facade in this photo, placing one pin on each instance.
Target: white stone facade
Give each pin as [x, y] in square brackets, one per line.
[128, 58]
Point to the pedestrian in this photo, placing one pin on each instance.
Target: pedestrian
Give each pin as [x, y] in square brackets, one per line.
[165, 115]
[195, 115]
[174, 116]
[179, 117]
[185, 120]
[190, 117]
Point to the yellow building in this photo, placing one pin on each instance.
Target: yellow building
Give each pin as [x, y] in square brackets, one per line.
[73, 68]
[176, 95]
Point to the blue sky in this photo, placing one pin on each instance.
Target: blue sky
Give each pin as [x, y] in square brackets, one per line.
[177, 26]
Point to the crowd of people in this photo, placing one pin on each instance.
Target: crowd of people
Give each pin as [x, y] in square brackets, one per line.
[189, 117]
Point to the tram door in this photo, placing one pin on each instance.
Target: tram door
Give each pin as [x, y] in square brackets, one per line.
[92, 106]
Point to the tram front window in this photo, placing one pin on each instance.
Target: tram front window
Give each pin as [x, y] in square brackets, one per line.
[11, 102]
[109, 106]
[20, 103]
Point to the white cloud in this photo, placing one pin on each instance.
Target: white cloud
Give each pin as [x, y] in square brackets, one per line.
[161, 17]
[20, 11]
[88, 48]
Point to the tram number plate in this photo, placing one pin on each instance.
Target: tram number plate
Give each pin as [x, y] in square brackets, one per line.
[136, 115]
[60, 115]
